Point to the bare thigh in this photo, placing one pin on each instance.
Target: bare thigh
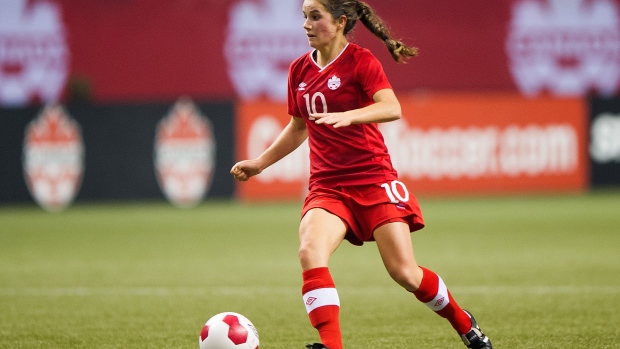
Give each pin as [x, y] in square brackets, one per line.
[394, 244]
[320, 234]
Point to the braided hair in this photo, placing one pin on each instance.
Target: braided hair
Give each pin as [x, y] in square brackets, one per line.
[354, 10]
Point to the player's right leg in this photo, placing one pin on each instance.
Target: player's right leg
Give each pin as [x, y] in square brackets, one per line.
[320, 233]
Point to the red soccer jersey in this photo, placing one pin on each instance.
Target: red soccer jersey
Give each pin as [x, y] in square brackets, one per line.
[352, 155]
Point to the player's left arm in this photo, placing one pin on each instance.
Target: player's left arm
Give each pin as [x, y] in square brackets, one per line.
[386, 108]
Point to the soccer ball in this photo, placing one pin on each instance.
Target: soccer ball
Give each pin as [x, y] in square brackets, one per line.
[228, 331]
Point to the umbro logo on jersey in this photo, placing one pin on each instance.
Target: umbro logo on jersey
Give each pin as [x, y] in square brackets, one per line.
[310, 300]
[333, 82]
[302, 86]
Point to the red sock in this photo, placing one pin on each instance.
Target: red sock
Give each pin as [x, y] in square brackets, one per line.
[323, 305]
[434, 293]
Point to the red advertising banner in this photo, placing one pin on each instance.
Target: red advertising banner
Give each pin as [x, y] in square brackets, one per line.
[446, 144]
[143, 50]
[466, 143]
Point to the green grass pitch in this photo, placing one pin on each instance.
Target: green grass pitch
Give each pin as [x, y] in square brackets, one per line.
[537, 271]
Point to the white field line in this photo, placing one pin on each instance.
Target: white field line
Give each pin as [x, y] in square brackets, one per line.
[253, 291]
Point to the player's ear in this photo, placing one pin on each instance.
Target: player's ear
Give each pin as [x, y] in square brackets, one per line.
[341, 22]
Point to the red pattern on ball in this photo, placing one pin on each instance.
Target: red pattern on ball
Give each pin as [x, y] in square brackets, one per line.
[204, 333]
[236, 332]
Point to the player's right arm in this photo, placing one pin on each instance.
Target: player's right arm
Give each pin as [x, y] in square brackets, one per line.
[289, 139]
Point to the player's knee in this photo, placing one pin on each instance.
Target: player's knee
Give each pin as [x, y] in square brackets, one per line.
[406, 276]
[309, 257]
[304, 253]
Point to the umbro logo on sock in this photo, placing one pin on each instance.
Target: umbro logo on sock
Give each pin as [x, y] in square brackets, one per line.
[439, 302]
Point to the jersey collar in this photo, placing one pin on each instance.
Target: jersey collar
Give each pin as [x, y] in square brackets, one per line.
[330, 63]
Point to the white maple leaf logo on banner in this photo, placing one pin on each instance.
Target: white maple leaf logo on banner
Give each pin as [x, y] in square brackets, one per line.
[53, 158]
[184, 155]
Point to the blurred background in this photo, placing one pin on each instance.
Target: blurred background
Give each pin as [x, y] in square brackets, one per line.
[138, 100]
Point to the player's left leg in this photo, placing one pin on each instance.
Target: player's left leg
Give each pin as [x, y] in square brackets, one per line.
[394, 243]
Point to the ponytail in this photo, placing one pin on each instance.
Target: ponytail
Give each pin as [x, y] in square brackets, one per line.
[354, 10]
[399, 50]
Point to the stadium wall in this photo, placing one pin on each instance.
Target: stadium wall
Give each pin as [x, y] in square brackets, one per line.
[141, 50]
[505, 96]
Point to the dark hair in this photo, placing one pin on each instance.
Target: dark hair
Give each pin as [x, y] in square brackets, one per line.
[354, 10]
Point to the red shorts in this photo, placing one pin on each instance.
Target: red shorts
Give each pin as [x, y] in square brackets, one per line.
[364, 208]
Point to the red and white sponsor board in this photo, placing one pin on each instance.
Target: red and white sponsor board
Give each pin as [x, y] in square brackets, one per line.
[445, 145]
[53, 158]
[184, 155]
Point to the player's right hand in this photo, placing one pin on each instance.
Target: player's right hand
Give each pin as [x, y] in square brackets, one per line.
[243, 170]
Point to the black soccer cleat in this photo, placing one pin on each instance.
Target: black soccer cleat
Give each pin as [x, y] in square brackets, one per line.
[316, 346]
[475, 338]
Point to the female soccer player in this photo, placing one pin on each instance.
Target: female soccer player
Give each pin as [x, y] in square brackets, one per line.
[337, 93]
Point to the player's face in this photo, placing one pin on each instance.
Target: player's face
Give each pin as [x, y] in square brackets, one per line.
[319, 24]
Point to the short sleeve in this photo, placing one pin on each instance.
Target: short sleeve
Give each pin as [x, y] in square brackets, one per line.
[292, 108]
[370, 74]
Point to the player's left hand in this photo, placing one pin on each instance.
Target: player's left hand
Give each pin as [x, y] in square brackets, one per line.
[335, 119]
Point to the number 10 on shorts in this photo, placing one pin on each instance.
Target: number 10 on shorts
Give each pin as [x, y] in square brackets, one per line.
[393, 191]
